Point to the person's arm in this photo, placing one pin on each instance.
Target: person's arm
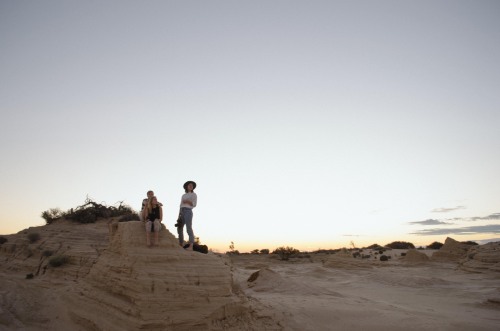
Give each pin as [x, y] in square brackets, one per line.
[161, 213]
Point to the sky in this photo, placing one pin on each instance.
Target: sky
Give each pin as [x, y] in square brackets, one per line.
[310, 124]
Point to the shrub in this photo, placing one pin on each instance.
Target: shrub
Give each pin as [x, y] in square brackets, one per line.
[374, 247]
[90, 211]
[400, 245]
[285, 252]
[52, 214]
[435, 245]
[47, 253]
[255, 251]
[58, 260]
[3, 240]
[29, 276]
[264, 251]
[33, 237]
[232, 250]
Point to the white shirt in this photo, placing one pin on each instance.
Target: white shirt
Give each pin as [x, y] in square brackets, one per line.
[191, 196]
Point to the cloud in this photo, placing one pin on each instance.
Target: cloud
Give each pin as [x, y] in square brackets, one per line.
[430, 222]
[495, 216]
[446, 210]
[491, 228]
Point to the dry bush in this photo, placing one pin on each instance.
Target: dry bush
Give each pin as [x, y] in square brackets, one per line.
[90, 211]
[285, 252]
[400, 245]
[52, 214]
[58, 260]
[33, 237]
[435, 245]
[47, 253]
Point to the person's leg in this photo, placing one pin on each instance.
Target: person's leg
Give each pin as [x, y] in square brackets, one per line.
[188, 219]
[157, 231]
[148, 232]
[180, 232]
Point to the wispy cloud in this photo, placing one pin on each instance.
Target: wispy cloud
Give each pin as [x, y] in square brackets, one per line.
[495, 216]
[447, 210]
[431, 222]
[491, 228]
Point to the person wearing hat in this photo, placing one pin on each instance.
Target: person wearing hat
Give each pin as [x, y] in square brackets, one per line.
[188, 202]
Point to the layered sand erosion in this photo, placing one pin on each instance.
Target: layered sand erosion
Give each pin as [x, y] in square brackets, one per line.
[112, 281]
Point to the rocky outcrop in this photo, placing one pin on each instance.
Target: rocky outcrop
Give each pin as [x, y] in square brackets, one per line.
[452, 251]
[484, 258]
[414, 256]
[113, 281]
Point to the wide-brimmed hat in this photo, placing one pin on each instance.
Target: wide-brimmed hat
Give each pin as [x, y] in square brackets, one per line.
[188, 182]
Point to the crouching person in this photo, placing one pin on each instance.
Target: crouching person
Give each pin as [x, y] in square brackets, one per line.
[152, 215]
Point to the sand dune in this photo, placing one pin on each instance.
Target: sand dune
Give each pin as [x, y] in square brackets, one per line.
[114, 282]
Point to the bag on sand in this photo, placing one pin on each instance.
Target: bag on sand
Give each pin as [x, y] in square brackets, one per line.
[198, 248]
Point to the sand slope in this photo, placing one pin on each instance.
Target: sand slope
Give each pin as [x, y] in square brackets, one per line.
[114, 282]
[338, 292]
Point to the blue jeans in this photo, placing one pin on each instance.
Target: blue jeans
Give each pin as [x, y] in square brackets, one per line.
[187, 219]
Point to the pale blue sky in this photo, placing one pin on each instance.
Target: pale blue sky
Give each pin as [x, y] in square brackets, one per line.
[304, 123]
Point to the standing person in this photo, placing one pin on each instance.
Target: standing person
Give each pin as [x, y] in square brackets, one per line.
[188, 202]
[153, 215]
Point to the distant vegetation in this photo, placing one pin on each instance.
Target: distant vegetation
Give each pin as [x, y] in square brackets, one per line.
[261, 251]
[435, 245]
[90, 211]
[400, 245]
[285, 252]
[375, 247]
[472, 243]
[232, 250]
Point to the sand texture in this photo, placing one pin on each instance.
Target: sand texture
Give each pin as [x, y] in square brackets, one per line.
[112, 281]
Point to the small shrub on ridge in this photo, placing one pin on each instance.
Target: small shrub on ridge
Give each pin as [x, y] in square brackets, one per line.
[58, 260]
[33, 237]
